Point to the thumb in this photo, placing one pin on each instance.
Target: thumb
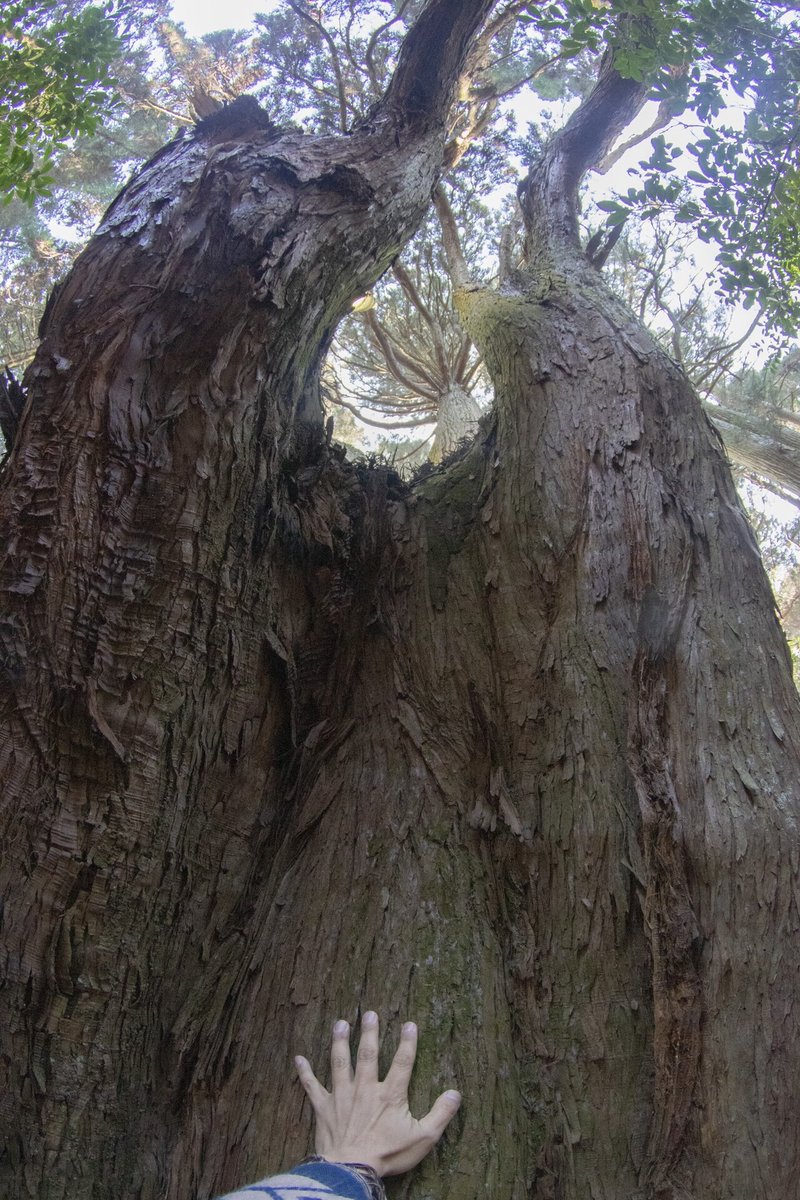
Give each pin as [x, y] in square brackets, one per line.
[444, 1109]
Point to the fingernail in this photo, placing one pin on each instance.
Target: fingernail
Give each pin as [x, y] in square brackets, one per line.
[454, 1096]
[369, 1018]
[409, 1029]
[341, 1028]
[299, 1061]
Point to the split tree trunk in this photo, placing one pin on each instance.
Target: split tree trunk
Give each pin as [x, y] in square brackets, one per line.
[514, 752]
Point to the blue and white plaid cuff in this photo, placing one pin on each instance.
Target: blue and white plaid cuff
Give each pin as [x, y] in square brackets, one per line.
[316, 1179]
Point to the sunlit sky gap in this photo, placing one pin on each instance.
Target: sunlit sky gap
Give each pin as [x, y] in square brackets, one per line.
[204, 17]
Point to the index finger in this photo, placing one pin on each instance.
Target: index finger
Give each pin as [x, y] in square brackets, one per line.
[399, 1073]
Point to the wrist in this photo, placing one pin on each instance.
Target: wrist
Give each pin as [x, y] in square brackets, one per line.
[350, 1158]
[366, 1172]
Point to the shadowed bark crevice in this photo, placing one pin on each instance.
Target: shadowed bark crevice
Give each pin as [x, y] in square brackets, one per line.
[12, 402]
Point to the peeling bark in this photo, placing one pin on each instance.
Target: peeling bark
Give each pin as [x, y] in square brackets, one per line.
[514, 751]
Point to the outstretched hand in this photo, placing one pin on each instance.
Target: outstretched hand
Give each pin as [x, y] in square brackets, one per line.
[364, 1120]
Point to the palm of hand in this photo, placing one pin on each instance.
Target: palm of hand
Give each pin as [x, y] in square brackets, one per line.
[364, 1120]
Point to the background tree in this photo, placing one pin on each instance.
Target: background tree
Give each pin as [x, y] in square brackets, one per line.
[514, 749]
[38, 243]
[403, 359]
[57, 80]
[73, 78]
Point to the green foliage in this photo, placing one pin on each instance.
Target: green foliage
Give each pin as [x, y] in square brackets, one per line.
[734, 67]
[657, 273]
[783, 226]
[55, 82]
[39, 240]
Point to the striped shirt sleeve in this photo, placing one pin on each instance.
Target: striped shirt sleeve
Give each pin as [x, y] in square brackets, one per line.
[315, 1180]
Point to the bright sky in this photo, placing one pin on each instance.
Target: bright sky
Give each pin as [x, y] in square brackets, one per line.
[204, 16]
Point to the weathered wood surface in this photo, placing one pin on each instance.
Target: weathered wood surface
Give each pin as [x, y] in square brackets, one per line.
[513, 752]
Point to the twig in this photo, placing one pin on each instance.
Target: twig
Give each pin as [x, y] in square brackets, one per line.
[337, 66]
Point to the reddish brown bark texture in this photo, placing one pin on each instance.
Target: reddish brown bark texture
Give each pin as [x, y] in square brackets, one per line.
[513, 751]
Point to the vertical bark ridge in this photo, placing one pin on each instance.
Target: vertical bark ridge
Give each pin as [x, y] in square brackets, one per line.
[671, 928]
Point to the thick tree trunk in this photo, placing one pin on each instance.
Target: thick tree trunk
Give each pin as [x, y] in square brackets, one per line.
[514, 752]
[653, 745]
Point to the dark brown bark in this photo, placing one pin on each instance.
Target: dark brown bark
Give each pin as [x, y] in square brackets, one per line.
[645, 575]
[12, 401]
[514, 752]
[660, 793]
[173, 590]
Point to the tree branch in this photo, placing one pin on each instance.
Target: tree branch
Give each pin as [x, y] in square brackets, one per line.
[394, 358]
[369, 53]
[462, 360]
[549, 194]
[409, 287]
[469, 375]
[337, 66]
[357, 412]
[456, 263]
[431, 60]
[664, 114]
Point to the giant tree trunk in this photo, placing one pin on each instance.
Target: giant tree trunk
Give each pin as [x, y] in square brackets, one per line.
[513, 752]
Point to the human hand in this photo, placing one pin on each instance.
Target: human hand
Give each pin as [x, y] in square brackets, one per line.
[361, 1120]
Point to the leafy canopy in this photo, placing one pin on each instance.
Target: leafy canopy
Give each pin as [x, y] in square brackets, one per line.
[55, 82]
[729, 71]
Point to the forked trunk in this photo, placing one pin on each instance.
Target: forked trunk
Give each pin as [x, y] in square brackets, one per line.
[513, 752]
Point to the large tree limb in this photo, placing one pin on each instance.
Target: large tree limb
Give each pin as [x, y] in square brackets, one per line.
[431, 60]
[451, 241]
[549, 194]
